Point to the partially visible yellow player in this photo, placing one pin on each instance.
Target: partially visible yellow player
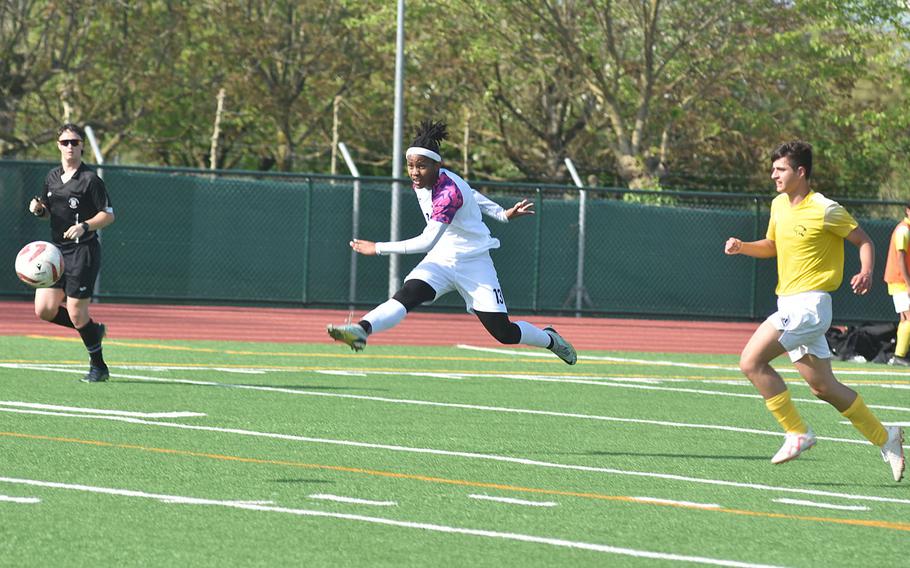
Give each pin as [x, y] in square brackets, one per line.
[806, 233]
[897, 275]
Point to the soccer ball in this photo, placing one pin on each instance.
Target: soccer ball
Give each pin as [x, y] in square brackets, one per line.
[39, 264]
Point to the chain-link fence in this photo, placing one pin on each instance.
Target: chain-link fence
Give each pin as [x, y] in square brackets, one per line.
[196, 236]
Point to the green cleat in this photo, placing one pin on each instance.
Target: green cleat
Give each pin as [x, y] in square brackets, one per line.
[561, 347]
[351, 334]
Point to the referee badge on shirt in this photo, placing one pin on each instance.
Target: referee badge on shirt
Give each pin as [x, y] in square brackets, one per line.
[74, 203]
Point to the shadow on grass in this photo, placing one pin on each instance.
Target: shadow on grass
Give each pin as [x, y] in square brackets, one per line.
[654, 455]
[230, 385]
[891, 485]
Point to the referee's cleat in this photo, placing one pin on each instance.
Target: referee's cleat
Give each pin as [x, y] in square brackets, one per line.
[96, 375]
[351, 334]
[893, 451]
[561, 347]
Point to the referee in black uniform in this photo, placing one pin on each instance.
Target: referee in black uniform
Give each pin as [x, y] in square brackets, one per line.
[77, 203]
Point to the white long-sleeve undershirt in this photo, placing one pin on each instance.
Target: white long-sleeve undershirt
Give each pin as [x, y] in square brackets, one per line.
[490, 208]
[421, 243]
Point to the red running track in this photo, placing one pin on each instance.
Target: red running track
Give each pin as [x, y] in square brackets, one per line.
[297, 325]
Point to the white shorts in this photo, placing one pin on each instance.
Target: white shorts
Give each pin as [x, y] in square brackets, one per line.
[901, 301]
[803, 320]
[474, 278]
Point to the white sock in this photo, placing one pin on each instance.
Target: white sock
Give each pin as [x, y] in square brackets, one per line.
[386, 315]
[533, 335]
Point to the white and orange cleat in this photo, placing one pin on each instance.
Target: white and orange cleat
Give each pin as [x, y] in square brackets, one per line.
[893, 451]
[794, 445]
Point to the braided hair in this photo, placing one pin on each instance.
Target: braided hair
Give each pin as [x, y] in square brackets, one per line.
[430, 134]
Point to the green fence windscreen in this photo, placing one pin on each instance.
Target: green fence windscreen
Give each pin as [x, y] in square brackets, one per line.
[246, 237]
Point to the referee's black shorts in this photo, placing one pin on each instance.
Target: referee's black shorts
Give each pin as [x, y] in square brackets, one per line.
[81, 263]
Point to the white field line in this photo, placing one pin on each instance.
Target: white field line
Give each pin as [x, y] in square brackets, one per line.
[617, 383]
[484, 408]
[886, 423]
[674, 502]
[511, 501]
[183, 501]
[477, 456]
[158, 368]
[165, 368]
[516, 377]
[478, 407]
[822, 505]
[19, 404]
[568, 378]
[392, 522]
[530, 353]
[24, 500]
[352, 500]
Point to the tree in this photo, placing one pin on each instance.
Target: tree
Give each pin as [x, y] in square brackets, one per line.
[649, 63]
[536, 105]
[40, 44]
[286, 62]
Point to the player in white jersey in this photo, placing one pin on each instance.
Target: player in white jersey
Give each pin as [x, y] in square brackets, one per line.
[457, 244]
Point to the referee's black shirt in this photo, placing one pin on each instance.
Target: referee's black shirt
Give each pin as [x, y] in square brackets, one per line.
[77, 200]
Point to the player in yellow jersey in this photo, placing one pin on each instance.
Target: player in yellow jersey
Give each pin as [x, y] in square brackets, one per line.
[897, 276]
[806, 233]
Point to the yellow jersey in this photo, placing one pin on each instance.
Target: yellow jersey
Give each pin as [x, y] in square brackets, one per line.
[809, 238]
[900, 241]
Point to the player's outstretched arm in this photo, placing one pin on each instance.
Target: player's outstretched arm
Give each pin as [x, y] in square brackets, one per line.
[490, 208]
[421, 243]
[520, 209]
[764, 248]
[363, 247]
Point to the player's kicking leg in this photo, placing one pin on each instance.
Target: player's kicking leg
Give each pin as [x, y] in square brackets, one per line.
[384, 316]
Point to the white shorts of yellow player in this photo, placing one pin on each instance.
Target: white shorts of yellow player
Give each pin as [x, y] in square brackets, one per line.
[901, 301]
[803, 320]
[474, 278]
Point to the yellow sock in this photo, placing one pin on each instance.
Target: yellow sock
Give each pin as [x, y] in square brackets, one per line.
[903, 339]
[786, 414]
[866, 422]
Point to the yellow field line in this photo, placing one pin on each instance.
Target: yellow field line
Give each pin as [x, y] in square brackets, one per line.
[510, 360]
[346, 354]
[295, 354]
[479, 484]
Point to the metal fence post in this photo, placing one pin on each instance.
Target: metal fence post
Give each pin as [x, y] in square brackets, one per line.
[99, 159]
[754, 283]
[307, 200]
[582, 214]
[355, 223]
[535, 298]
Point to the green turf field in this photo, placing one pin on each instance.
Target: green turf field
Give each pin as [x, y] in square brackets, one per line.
[214, 454]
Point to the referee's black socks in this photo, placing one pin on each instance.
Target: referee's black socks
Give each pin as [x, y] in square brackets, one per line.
[63, 318]
[91, 337]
